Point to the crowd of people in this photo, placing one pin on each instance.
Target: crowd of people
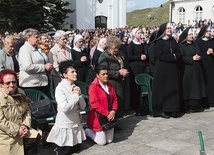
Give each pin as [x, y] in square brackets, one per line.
[180, 59]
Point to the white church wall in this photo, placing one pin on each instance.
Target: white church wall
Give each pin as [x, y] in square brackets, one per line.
[189, 6]
[87, 10]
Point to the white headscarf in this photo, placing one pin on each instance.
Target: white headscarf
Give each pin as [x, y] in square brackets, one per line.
[100, 43]
[76, 38]
[134, 32]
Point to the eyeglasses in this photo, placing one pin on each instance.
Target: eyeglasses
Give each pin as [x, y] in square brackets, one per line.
[9, 82]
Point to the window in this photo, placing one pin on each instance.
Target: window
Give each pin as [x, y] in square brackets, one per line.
[198, 13]
[181, 14]
[101, 21]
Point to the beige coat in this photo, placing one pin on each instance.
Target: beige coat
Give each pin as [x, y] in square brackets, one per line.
[56, 56]
[32, 67]
[11, 119]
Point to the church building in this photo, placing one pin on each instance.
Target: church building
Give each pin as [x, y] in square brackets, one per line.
[90, 14]
[188, 11]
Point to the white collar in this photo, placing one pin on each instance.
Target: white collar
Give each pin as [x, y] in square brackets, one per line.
[100, 49]
[136, 42]
[205, 39]
[77, 49]
[105, 87]
[165, 37]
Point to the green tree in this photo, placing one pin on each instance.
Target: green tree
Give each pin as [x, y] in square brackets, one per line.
[43, 15]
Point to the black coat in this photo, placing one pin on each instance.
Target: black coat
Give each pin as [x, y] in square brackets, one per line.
[193, 79]
[166, 91]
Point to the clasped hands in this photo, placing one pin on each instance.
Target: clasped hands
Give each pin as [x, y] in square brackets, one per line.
[111, 115]
[209, 51]
[23, 131]
[83, 59]
[196, 57]
[76, 90]
[48, 66]
[143, 57]
[123, 72]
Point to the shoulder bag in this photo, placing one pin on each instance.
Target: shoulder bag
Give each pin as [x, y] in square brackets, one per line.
[42, 109]
[107, 125]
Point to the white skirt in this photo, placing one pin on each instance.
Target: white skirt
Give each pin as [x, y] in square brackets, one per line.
[66, 136]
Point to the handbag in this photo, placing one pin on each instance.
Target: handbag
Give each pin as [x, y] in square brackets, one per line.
[106, 125]
[42, 109]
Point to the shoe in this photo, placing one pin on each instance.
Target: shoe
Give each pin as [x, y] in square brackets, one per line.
[163, 115]
[196, 110]
[137, 114]
[86, 127]
[187, 111]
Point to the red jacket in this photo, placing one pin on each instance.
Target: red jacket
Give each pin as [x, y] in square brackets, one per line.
[99, 102]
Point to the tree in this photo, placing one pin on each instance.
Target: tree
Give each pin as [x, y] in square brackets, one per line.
[43, 15]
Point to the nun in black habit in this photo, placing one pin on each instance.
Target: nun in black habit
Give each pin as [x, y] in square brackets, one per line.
[151, 52]
[193, 81]
[206, 46]
[166, 92]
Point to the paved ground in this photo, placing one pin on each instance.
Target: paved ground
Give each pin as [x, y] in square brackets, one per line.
[141, 135]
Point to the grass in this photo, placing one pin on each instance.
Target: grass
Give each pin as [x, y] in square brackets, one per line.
[148, 16]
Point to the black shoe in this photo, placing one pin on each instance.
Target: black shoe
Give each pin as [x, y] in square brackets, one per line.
[196, 110]
[137, 114]
[187, 111]
[86, 127]
[163, 115]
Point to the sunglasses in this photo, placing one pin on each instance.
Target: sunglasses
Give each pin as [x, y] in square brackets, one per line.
[9, 82]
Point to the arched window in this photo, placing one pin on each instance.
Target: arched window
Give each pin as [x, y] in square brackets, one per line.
[198, 13]
[101, 21]
[181, 15]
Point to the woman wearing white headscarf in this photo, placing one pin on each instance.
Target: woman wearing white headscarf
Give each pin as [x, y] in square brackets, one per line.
[58, 53]
[137, 63]
[80, 58]
[99, 50]
[166, 91]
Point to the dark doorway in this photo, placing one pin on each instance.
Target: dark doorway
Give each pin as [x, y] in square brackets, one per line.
[101, 22]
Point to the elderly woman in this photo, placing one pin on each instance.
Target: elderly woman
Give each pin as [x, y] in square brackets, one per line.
[33, 64]
[67, 132]
[114, 61]
[58, 53]
[44, 43]
[15, 115]
[8, 57]
[80, 58]
[102, 95]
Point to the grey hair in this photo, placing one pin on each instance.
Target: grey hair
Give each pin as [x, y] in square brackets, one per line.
[58, 34]
[29, 32]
